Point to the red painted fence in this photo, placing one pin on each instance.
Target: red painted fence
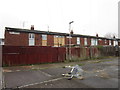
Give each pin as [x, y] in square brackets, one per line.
[20, 55]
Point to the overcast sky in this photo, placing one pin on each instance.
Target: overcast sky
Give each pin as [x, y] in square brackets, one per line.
[89, 16]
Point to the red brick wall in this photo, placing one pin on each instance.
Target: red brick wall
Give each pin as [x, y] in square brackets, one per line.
[119, 43]
[111, 42]
[38, 40]
[107, 42]
[16, 39]
[89, 41]
[50, 40]
[74, 40]
[82, 41]
[99, 42]
[66, 40]
[103, 42]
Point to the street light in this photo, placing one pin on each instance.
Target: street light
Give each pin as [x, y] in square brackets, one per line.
[70, 39]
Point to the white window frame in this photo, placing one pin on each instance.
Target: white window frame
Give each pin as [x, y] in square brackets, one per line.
[85, 41]
[94, 41]
[31, 35]
[69, 37]
[110, 42]
[44, 37]
[31, 39]
[78, 40]
[105, 41]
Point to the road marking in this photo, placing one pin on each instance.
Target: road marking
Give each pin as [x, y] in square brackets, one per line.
[41, 82]
[46, 73]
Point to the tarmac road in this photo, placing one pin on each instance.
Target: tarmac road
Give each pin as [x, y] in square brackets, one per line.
[97, 74]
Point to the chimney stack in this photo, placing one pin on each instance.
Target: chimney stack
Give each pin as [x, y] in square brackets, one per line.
[114, 37]
[32, 27]
[71, 32]
[96, 35]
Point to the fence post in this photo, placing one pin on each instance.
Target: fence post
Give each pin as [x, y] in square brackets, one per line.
[1, 69]
[90, 52]
[66, 53]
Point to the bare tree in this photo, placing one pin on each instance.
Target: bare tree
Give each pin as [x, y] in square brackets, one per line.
[110, 35]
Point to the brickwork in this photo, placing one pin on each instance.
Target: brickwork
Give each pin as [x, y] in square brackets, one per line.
[74, 40]
[66, 40]
[16, 39]
[111, 42]
[107, 42]
[82, 41]
[50, 40]
[19, 37]
[89, 41]
[38, 40]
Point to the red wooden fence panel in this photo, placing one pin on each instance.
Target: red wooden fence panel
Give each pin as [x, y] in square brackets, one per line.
[21, 55]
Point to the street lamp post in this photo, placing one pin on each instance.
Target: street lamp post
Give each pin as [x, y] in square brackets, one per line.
[70, 39]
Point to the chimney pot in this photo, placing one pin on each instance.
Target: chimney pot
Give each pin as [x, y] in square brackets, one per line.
[32, 27]
[71, 32]
[96, 35]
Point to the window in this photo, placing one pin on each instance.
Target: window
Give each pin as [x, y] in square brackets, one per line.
[31, 35]
[94, 41]
[44, 37]
[110, 42]
[115, 43]
[68, 37]
[105, 41]
[31, 39]
[59, 41]
[14, 32]
[44, 40]
[78, 40]
[85, 41]
[55, 36]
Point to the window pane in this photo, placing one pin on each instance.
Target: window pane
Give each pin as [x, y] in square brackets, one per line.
[85, 41]
[31, 35]
[44, 37]
[78, 40]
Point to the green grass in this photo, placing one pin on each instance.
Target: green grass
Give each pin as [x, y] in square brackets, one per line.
[81, 64]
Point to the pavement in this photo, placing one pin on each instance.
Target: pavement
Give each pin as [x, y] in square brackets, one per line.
[100, 73]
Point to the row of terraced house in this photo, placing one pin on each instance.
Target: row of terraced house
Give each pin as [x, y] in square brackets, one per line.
[31, 37]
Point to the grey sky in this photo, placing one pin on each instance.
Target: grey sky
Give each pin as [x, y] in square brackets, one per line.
[89, 16]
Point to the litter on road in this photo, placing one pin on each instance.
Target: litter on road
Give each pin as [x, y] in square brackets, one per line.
[76, 71]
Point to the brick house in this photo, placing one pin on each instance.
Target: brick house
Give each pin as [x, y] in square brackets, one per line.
[1, 41]
[26, 37]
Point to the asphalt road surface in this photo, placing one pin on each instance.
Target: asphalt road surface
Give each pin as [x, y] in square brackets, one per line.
[97, 74]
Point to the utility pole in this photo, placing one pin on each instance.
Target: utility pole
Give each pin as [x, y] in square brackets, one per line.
[70, 39]
[23, 24]
[48, 28]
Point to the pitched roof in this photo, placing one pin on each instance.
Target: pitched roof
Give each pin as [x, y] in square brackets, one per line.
[50, 33]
